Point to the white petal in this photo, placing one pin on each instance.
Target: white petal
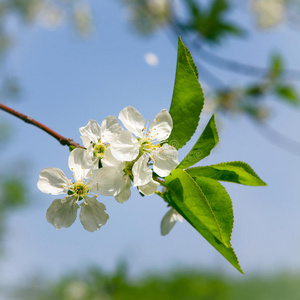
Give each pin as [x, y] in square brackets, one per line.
[125, 147]
[165, 160]
[107, 181]
[79, 164]
[92, 130]
[125, 193]
[92, 214]
[161, 127]
[110, 161]
[169, 220]
[141, 173]
[53, 181]
[62, 212]
[86, 141]
[149, 188]
[132, 120]
[109, 127]
[91, 161]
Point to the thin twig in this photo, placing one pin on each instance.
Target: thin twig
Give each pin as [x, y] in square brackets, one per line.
[238, 67]
[62, 140]
[278, 139]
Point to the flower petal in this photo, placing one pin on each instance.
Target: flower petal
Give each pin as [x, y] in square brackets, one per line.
[110, 161]
[91, 161]
[62, 212]
[92, 214]
[53, 181]
[109, 127]
[107, 181]
[86, 141]
[141, 173]
[160, 129]
[80, 164]
[125, 147]
[92, 130]
[132, 120]
[165, 160]
[169, 220]
[149, 188]
[125, 193]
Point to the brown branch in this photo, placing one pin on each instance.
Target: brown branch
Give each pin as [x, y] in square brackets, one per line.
[62, 140]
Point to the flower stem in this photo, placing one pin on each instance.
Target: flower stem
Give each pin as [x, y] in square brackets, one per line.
[62, 140]
[160, 181]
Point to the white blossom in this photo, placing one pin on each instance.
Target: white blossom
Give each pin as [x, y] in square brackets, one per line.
[169, 220]
[145, 145]
[96, 138]
[63, 212]
[127, 171]
[269, 13]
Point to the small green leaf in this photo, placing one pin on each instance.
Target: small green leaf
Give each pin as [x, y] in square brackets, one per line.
[228, 253]
[220, 204]
[207, 141]
[236, 171]
[71, 148]
[187, 100]
[276, 65]
[287, 93]
[188, 196]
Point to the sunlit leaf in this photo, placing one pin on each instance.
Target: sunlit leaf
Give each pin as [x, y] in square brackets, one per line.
[236, 171]
[206, 142]
[187, 100]
[188, 196]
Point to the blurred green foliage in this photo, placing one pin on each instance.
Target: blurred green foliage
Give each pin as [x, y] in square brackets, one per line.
[201, 24]
[13, 189]
[96, 284]
[209, 23]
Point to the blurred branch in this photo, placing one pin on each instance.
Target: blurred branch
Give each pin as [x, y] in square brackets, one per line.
[277, 138]
[238, 67]
[62, 140]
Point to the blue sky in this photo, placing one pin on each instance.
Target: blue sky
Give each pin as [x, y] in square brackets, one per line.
[67, 81]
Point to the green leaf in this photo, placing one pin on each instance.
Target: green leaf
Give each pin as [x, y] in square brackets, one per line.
[276, 65]
[191, 62]
[236, 171]
[188, 196]
[206, 142]
[220, 204]
[187, 100]
[228, 253]
[287, 93]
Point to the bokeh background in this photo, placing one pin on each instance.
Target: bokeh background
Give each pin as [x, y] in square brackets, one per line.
[66, 62]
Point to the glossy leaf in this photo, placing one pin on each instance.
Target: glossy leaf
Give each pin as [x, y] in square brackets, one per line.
[228, 253]
[187, 100]
[206, 142]
[236, 171]
[220, 204]
[188, 196]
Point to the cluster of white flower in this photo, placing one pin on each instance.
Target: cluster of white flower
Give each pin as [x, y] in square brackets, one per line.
[112, 160]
